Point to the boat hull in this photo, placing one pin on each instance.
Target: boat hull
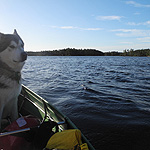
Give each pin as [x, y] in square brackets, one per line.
[32, 104]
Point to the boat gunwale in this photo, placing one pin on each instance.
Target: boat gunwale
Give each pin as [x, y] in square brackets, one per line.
[56, 112]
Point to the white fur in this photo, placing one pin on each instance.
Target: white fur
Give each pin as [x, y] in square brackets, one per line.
[12, 56]
[8, 100]
[9, 96]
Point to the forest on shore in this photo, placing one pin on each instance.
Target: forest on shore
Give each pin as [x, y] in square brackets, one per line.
[90, 52]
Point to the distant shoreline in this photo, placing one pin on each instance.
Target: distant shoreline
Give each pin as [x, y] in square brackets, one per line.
[90, 52]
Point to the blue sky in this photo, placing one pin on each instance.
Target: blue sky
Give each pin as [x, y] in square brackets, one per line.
[105, 25]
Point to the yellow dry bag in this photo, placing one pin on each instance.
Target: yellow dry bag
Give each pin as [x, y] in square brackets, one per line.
[67, 139]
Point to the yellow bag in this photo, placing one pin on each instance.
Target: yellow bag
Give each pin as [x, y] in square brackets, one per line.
[66, 139]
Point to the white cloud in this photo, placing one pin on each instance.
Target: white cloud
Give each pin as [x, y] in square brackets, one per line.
[123, 30]
[140, 23]
[126, 43]
[64, 27]
[147, 23]
[109, 17]
[144, 40]
[135, 4]
[131, 32]
[68, 27]
[72, 27]
[137, 13]
[133, 23]
[91, 29]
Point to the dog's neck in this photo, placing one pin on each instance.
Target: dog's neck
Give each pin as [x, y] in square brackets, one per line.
[6, 70]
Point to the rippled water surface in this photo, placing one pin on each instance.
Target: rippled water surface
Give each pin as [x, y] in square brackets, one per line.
[108, 98]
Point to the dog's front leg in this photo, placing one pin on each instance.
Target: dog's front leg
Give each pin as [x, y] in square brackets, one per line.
[1, 113]
[14, 112]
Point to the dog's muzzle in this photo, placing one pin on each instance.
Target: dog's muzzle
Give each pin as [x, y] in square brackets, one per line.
[23, 56]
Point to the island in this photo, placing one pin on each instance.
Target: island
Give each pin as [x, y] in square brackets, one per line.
[90, 52]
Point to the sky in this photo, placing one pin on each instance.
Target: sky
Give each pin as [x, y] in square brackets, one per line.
[105, 25]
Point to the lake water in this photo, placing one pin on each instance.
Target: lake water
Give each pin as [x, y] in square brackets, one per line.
[108, 98]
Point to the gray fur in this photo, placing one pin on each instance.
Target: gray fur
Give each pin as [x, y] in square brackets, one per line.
[6, 71]
[6, 39]
[12, 60]
[3, 86]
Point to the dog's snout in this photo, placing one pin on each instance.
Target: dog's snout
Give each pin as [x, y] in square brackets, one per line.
[24, 56]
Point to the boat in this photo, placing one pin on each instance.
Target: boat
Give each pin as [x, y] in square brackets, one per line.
[32, 104]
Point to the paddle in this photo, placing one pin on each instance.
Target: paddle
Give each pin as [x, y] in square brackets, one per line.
[14, 132]
[23, 130]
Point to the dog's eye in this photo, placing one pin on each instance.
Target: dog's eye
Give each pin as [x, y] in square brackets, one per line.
[12, 46]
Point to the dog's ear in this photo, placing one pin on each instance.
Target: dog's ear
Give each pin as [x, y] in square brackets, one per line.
[15, 32]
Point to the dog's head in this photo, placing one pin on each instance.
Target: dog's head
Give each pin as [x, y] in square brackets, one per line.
[12, 51]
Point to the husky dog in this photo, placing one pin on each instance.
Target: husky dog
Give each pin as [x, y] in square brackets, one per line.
[12, 59]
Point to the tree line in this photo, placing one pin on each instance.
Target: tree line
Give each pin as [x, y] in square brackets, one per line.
[68, 52]
[132, 52]
[90, 52]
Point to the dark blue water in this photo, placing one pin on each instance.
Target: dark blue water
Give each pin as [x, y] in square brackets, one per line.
[108, 98]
